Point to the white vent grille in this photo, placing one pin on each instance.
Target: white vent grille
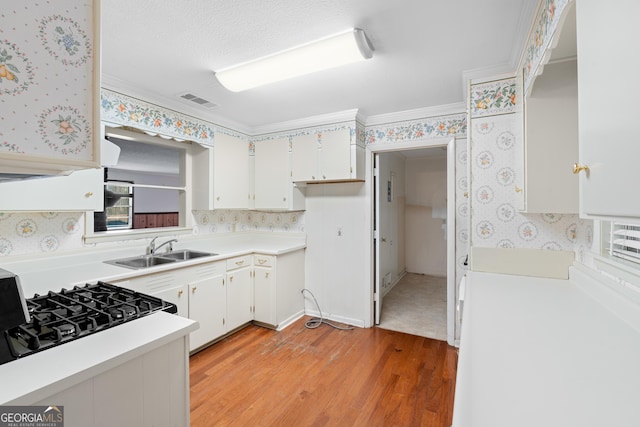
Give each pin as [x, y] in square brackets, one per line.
[197, 100]
[625, 241]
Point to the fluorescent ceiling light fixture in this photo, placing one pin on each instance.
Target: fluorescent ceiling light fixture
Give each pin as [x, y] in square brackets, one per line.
[329, 52]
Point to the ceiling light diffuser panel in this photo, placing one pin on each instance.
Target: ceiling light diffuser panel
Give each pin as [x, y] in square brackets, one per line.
[329, 52]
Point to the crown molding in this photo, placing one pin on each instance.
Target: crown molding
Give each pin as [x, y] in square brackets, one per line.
[526, 23]
[307, 122]
[419, 113]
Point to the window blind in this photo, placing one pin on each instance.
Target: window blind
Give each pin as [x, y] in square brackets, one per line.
[625, 241]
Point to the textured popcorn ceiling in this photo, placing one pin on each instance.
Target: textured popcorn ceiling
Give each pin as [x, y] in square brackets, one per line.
[157, 49]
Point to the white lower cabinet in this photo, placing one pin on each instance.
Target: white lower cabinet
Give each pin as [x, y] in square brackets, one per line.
[264, 289]
[278, 284]
[239, 292]
[197, 291]
[207, 305]
[225, 295]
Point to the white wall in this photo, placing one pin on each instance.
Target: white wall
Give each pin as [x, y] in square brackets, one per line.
[392, 217]
[336, 265]
[426, 189]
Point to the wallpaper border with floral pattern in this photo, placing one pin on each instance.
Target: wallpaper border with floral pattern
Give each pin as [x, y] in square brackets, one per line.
[540, 37]
[491, 98]
[125, 110]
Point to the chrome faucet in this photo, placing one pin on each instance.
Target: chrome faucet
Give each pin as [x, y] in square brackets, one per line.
[152, 248]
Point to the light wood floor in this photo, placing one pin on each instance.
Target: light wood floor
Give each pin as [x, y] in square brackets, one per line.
[323, 377]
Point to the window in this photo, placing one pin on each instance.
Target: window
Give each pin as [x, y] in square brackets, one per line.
[118, 206]
[625, 241]
[146, 188]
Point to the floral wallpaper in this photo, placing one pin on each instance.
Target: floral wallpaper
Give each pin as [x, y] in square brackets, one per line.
[493, 98]
[51, 52]
[541, 34]
[495, 144]
[229, 221]
[36, 232]
[431, 127]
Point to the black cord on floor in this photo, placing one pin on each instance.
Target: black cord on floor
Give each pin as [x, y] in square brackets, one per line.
[315, 322]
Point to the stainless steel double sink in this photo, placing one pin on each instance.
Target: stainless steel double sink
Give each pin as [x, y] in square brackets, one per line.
[146, 261]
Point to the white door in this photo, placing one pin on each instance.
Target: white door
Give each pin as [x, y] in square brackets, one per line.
[377, 294]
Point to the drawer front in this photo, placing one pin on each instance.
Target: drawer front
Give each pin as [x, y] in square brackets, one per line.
[238, 262]
[264, 260]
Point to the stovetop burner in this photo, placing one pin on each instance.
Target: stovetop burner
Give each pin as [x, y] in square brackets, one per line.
[59, 317]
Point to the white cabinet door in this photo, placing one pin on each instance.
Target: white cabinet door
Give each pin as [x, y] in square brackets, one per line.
[608, 109]
[272, 174]
[264, 286]
[304, 158]
[335, 156]
[177, 295]
[230, 173]
[80, 191]
[551, 141]
[239, 297]
[207, 305]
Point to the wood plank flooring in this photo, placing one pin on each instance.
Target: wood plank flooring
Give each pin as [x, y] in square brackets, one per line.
[323, 377]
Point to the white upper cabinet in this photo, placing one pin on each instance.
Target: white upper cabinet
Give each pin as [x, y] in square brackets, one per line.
[230, 172]
[80, 191]
[551, 142]
[49, 86]
[327, 156]
[551, 126]
[304, 158]
[608, 110]
[273, 188]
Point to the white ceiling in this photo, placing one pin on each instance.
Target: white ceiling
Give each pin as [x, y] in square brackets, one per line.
[158, 49]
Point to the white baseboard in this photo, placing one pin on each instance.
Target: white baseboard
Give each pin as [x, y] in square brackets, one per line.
[338, 319]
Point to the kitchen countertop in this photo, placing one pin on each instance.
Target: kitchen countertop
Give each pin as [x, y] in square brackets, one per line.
[544, 352]
[60, 367]
[33, 378]
[54, 272]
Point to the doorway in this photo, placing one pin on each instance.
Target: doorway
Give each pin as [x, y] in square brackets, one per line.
[413, 189]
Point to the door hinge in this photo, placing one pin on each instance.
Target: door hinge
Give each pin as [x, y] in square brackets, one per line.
[375, 296]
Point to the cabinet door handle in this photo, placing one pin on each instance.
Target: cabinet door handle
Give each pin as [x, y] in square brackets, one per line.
[284, 199]
[88, 194]
[579, 168]
[518, 189]
[324, 177]
[266, 275]
[230, 278]
[261, 261]
[313, 177]
[239, 262]
[193, 290]
[180, 292]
